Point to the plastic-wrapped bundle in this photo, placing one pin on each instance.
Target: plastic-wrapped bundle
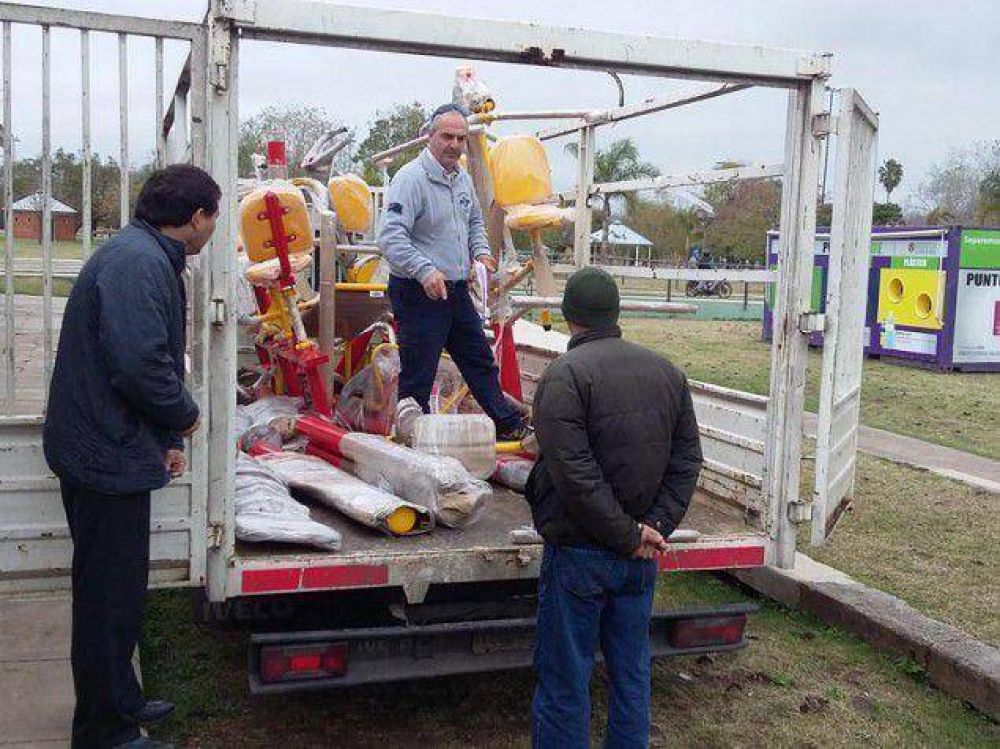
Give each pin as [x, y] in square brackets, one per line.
[470, 438]
[340, 490]
[439, 483]
[265, 511]
[268, 272]
[265, 411]
[513, 472]
[368, 401]
[520, 169]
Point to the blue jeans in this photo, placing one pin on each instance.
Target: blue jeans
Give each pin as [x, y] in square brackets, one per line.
[428, 326]
[589, 598]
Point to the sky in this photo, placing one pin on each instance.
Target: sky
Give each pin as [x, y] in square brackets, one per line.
[930, 69]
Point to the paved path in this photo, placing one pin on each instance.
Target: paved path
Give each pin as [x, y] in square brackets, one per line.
[982, 473]
[36, 683]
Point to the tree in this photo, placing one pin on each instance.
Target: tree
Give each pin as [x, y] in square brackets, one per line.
[744, 212]
[890, 174]
[300, 127]
[989, 198]
[666, 226]
[619, 161]
[952, 189]
[886, 214]
[67, 184]
[390, 128]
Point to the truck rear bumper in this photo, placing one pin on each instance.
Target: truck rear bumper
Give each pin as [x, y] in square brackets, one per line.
[293, 661]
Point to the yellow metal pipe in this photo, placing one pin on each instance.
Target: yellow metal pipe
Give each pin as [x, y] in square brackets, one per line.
[509, 448]
[361, 287]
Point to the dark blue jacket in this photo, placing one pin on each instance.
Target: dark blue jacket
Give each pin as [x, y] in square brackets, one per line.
[117, 401]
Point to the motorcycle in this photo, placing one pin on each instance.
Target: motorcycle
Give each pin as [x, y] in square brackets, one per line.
[721, 289]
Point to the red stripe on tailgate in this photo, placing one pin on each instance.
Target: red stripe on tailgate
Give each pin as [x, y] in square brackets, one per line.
[718, 558]
[271, 581]
[342, 576]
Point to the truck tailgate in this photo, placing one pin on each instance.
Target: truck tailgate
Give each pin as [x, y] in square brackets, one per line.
[481, 552]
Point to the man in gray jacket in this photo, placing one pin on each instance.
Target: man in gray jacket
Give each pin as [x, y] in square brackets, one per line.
[431, 232]
[619, 459]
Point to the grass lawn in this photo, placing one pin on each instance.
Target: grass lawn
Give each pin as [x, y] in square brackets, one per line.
[927, 539]
[60, 250]
[953, 409]
[800, 683]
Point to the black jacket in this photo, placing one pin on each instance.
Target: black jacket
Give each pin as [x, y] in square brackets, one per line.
[618, 444]
[117, 400]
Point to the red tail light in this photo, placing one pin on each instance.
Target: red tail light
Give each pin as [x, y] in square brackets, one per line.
[319, 660]
[708, 632]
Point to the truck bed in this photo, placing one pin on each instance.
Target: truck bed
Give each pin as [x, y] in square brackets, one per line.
[484, 551]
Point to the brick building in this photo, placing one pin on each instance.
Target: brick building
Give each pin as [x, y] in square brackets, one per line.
[28, 219]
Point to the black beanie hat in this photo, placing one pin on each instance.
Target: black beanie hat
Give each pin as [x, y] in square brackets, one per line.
[591, 298]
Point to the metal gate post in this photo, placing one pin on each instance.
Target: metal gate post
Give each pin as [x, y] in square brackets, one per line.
[223, 135]
[789, 352]
[584, 180]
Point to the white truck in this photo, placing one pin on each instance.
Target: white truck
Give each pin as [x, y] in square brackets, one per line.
[448, 601]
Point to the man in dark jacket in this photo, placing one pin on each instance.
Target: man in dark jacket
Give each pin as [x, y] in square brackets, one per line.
[619, 459]
[117, 414]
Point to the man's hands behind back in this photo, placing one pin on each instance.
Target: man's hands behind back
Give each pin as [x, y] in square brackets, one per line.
[650, 542]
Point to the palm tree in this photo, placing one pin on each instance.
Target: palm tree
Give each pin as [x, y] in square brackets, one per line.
[890, 174]
[619, 161]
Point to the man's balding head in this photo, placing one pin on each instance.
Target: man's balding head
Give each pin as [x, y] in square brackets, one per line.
[448, 131]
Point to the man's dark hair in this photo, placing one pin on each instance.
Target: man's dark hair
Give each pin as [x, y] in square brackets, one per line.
[171, 196]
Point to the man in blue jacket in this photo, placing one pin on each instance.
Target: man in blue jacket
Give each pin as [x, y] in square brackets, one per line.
[118, 412]
[431, 232]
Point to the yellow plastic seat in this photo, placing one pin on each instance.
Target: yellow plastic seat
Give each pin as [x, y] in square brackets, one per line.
[350, 197]
[255, 227]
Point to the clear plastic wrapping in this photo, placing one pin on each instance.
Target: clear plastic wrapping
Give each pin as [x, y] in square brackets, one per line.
[348, 494]
[268, 272]
[438, 483]
[265, 411]
[513, 473]
[469, 438]
[520, 169]
[368, 401]
[265, 511]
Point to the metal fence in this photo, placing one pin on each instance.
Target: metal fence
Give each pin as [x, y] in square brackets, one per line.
[31, 322]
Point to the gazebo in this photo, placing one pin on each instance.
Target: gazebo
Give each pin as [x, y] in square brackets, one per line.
[621, 237]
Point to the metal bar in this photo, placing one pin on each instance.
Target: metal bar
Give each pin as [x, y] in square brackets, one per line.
[390, 153]
[789, 351]
[359, 249]
[757, 171]
[86, 166]
[76, 19]
[746, 294]
[223, 121]
[46, 208]
[8, 202]
[123, 176]
[584, 180]
[608, 116]
[680, 274]
[161, 145]
[541, 114]
[200, 296]
[627, 305]
[181, 89]
[311, 22]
